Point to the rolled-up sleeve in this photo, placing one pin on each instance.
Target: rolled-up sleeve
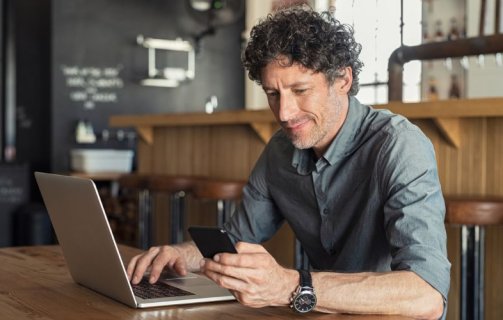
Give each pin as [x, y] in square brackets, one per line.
[414, 209]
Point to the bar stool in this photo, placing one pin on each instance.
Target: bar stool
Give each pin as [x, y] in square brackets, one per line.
[177, 187]
[225, 192]
[473, 213]
[139, 183]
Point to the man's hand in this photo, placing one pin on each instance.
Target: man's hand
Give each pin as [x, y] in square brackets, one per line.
[252, 275]
[179, 258]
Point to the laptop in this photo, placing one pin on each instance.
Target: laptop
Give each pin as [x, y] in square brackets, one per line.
[93, 258]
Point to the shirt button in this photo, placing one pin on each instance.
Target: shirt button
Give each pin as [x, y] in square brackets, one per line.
[325, 211]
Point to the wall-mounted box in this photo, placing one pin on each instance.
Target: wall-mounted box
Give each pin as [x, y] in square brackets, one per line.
[101, 160]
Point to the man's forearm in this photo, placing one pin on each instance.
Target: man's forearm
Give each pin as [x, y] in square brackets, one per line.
[398, 292]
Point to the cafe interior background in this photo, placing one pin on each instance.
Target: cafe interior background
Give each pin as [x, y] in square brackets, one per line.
[69, 66]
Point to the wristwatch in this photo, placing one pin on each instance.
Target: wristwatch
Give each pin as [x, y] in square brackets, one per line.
[304, 298]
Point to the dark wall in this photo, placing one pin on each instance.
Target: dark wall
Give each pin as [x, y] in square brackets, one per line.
[2, 75]
[100, 35]
[33, 115]
[25, 108]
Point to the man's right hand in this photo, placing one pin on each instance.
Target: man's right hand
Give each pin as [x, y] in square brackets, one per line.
[155, 260]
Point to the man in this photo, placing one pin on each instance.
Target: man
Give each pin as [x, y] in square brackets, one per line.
[358, 186]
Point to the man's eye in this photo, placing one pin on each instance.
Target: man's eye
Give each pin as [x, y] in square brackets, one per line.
[299, 91]
[271, 94]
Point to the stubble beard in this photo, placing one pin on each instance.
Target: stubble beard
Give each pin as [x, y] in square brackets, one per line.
[309, 140]
[318, 131]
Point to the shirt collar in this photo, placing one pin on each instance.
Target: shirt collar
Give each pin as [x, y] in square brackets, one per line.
[304, 161]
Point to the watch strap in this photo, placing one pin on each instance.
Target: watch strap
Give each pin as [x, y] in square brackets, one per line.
[305, 278]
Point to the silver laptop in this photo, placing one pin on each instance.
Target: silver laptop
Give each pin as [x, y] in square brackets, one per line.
[92, 255]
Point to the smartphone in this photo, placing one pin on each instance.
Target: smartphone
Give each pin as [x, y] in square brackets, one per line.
[211, 240]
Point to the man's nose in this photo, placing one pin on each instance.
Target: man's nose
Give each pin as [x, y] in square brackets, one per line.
[287, 108]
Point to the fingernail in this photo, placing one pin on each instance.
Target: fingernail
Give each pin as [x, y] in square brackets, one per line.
[202, 263]
[136, 279]
[152, 279]
[216, 258]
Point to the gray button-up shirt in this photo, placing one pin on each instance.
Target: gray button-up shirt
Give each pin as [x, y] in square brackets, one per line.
[373, 202]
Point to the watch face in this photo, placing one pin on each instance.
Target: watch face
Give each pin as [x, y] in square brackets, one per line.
[304, 302]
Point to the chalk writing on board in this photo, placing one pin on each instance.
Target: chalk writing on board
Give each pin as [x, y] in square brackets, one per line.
[91, 85]
[10, 192]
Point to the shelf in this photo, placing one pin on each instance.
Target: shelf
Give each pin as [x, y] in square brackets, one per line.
[261, 121]
[460, 108]
[445, 114]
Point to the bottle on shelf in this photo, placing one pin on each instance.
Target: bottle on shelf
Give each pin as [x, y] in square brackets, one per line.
[426, 36]
[432, 94]
[454, 89]
[80, 131]
[439, 33]
[84, 132]
[91, 136]
[463, 28]
[454, 33]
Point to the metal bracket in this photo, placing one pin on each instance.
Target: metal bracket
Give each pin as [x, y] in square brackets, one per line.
[167, 77]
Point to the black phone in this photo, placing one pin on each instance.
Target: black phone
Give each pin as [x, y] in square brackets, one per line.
[211, 240]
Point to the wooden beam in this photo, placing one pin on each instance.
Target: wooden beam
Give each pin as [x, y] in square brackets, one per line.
[146, 133]
[450, 130]
[264, 130]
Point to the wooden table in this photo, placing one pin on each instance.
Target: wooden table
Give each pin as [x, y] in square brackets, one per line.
[35, 284]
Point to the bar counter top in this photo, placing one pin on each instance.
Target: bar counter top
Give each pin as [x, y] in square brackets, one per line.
[445, 113]
[483, 107]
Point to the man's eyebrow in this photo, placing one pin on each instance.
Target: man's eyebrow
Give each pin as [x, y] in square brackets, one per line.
[295, 84]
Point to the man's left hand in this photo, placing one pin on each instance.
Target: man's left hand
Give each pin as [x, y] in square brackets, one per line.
[252, 275]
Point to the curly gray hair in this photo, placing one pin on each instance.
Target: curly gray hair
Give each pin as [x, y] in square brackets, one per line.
[317, 41]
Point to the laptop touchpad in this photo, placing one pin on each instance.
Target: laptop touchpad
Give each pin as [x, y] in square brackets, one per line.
[189, 280]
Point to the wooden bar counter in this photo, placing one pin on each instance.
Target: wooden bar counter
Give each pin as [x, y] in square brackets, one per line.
[467, 136]
[35, 284]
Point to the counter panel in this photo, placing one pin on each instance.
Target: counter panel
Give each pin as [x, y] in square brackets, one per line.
[467, 141]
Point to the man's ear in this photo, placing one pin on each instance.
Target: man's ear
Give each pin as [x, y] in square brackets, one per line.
[343, 84]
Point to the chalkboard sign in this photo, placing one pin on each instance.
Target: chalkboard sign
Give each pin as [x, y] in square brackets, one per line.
[14, 192]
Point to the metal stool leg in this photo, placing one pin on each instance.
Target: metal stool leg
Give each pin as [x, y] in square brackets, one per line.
[144, 219]
[225, 209]
[181, 220]
[229, 207]
[464, 273]
[480, 262]
[220, 213]
[177, 217]
[472, 273]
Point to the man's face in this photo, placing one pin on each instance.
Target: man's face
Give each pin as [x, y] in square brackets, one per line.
[304, 104]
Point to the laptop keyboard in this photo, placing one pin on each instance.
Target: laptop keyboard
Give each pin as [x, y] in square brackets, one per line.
[145, 290]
